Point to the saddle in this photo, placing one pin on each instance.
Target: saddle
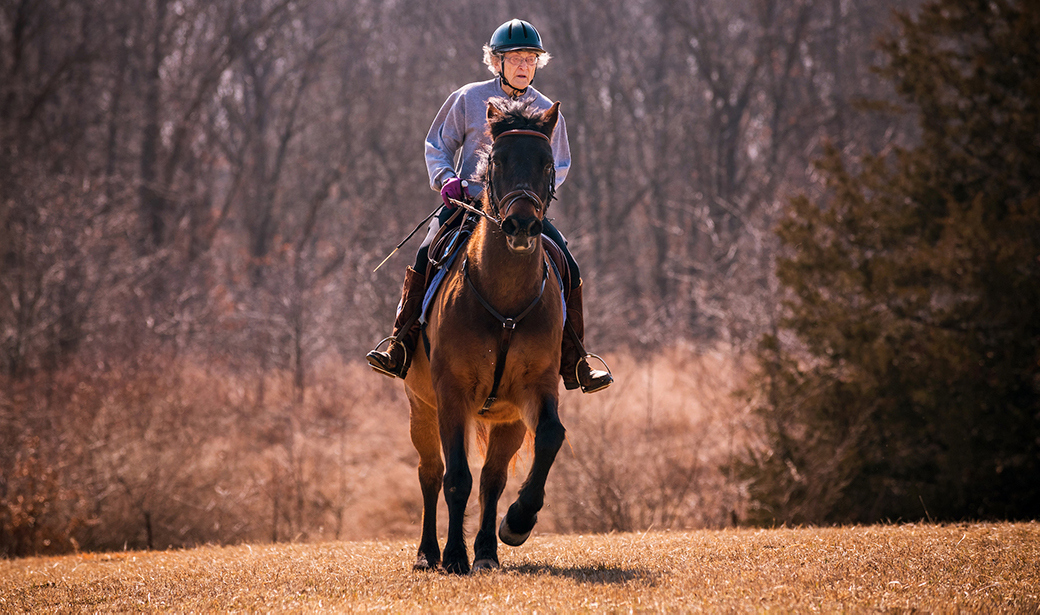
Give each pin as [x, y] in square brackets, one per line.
[446, 245]
[449, 238]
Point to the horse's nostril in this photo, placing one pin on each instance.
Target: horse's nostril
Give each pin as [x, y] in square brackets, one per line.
[510, 227]
[515, 226]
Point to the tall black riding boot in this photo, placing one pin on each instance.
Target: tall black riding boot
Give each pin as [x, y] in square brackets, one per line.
[574, 360]
[398, 356]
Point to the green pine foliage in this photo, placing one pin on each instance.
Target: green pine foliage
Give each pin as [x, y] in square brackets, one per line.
[905, 380]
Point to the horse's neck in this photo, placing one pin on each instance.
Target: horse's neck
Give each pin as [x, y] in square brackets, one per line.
[506, 280]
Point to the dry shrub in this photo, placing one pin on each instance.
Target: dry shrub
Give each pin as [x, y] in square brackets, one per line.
[40, 510]
[176, 455]
[37, 513]
[653, 450]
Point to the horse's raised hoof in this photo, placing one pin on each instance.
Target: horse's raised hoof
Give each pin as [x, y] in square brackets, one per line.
[510, 537]
[484, 564]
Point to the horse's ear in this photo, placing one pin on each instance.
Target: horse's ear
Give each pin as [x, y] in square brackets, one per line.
[551, 116]
[493, 111]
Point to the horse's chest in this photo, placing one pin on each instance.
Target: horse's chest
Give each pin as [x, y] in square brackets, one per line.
[475, 343]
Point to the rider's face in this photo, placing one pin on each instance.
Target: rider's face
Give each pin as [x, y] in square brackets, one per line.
[519, 67]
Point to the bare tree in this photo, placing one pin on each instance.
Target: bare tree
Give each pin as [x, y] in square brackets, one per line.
[200, 183]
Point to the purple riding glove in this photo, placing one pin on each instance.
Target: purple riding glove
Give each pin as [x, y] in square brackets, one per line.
[452, 189]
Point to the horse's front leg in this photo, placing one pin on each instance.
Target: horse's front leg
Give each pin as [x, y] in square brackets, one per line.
[458, 482]
[523, 513]
[503, 442]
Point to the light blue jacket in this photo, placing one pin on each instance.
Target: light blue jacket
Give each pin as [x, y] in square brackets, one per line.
[459, 132]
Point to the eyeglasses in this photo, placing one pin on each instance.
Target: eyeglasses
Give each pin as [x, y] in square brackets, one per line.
[517, 61]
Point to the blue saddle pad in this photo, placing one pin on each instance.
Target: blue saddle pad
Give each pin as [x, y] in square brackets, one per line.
[459, 240]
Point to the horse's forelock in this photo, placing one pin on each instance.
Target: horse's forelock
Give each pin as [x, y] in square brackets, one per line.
[516, 115]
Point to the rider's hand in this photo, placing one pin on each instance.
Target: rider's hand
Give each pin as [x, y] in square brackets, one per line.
[452, 189]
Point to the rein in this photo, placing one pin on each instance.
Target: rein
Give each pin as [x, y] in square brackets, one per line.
[508, 199]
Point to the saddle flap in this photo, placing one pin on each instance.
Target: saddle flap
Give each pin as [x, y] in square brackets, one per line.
[559, 261]
[448, 242]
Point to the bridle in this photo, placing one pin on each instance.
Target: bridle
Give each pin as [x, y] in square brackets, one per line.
[501, 205]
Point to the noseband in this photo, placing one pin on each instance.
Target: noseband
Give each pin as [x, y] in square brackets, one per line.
[502, 204]
[507, 201]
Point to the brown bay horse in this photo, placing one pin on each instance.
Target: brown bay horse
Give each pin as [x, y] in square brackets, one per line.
[498, 292]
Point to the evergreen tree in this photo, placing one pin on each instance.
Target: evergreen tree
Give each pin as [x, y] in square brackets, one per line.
[905, 382]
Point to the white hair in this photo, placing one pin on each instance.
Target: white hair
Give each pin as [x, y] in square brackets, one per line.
[491, 58]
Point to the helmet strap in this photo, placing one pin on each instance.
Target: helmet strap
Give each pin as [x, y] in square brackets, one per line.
[517, 92]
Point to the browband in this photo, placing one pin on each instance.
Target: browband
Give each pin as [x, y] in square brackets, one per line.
[518, 132]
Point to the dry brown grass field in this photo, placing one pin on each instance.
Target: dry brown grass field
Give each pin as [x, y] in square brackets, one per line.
[978, 568]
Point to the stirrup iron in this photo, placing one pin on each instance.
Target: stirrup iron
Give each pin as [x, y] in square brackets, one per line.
[391, 339]
[585, 359]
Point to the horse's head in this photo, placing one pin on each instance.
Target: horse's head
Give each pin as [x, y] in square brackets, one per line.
[520, 176]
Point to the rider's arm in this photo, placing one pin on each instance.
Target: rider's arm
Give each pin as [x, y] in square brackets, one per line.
[561, 151]
[444, 139]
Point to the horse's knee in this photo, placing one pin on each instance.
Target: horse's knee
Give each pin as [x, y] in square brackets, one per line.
[550, 434]
[458, 483]
[431, 474]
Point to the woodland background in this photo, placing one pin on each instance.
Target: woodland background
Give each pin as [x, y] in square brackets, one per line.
[193, 196]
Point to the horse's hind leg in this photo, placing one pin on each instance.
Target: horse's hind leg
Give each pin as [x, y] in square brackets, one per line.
[523, 513]
[426, 439]
[503, 442]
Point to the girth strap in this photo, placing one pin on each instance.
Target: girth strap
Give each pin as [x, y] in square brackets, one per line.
[508, 325]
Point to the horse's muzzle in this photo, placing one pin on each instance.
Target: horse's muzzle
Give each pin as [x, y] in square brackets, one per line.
[521, 233]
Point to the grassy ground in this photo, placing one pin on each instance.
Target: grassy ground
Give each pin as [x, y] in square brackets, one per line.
[932, 568]
[974, 568]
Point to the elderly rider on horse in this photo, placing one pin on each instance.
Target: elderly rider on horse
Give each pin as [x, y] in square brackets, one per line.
[459, 131]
